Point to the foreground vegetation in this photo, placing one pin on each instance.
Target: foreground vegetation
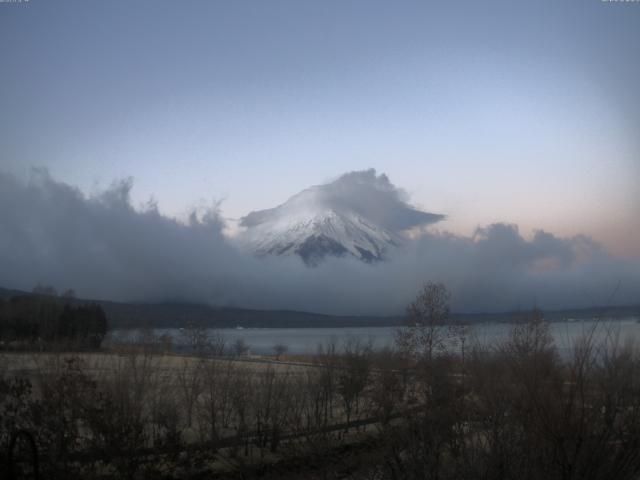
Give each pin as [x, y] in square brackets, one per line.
[510, 411]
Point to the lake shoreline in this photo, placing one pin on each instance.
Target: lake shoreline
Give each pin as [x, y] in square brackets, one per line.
[305, 341]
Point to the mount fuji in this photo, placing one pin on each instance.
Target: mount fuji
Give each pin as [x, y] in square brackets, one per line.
[360, 214]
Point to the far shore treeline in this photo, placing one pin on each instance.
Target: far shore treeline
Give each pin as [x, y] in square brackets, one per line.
[176, 314]
[47, 321]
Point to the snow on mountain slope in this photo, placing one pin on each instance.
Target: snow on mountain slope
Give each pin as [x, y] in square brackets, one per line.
[359, 214]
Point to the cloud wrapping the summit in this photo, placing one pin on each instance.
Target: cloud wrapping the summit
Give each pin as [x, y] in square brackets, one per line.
[375, 197]
[364, 192]
[105, 248]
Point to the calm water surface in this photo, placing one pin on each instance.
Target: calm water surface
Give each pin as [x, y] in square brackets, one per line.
[306, 340]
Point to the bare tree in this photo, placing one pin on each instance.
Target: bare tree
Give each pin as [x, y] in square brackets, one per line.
[146, 339]
[166, 342]
[241, 387]
[240, 347]
[271, 406]
[47, 290]
[280, 349]
[354, 374]
[427, 315]
[327, 356]
[189, 380]
[196, 337]
[68, 293]
[387, 385]
[217, 343]
[215, 407]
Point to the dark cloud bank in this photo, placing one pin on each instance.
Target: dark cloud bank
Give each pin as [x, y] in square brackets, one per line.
[105, 248]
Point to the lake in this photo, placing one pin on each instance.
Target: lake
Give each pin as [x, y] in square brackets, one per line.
[306, 340]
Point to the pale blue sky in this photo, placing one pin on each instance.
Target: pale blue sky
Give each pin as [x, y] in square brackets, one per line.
[525, 112]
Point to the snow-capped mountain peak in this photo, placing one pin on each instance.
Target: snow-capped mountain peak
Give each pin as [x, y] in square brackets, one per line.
[360, 214]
